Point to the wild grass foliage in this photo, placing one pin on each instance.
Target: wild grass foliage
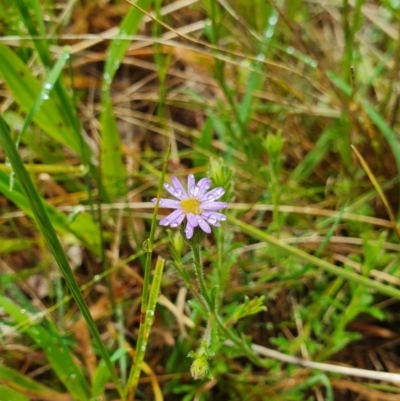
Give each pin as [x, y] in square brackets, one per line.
[292, 108]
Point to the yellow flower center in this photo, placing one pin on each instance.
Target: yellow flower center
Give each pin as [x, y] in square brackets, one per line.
[191, 205]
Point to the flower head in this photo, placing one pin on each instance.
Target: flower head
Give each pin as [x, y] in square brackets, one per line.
[197, 204]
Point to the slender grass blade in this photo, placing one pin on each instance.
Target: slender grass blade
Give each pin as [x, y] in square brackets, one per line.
[26, 89]
[50, 235]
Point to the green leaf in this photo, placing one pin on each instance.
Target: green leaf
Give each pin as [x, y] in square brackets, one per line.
[102, 375]
[45, 91]
[26, 89]
[88, 236]
[24, 384]
[11, 395]
[321, 263]
[112, 166]
[374, 115]
[249, 307]
[42, 45]
[119, 45]
[56, 351]
[9, 245]
[386, 130]
[203, 142]
[314, 157]
[47, 229]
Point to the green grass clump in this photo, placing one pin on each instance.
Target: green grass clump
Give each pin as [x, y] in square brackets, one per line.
[292, 107]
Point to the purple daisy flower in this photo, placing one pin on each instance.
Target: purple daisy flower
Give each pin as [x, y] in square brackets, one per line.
[197, 205]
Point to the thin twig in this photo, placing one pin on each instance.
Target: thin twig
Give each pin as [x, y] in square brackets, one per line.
[325, 367]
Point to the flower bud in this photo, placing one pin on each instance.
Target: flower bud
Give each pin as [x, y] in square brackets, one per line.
[222, 176]
[273, 144]
[200, 368]
[177, 241]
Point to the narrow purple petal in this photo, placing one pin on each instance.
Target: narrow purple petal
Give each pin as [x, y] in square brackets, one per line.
[214, 222]
[170, 189]
[179, 188]
[204, 184]
[213, 217]
[201, 188]
[195, 191]
[171, 217]
[177, 221]
[206, 205]
[189, 230]
[191, 183]
[203, 225]
[192, 219]
[213, 195]
[168, 203]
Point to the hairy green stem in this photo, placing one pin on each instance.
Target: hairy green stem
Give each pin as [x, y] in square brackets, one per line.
[200, 274]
